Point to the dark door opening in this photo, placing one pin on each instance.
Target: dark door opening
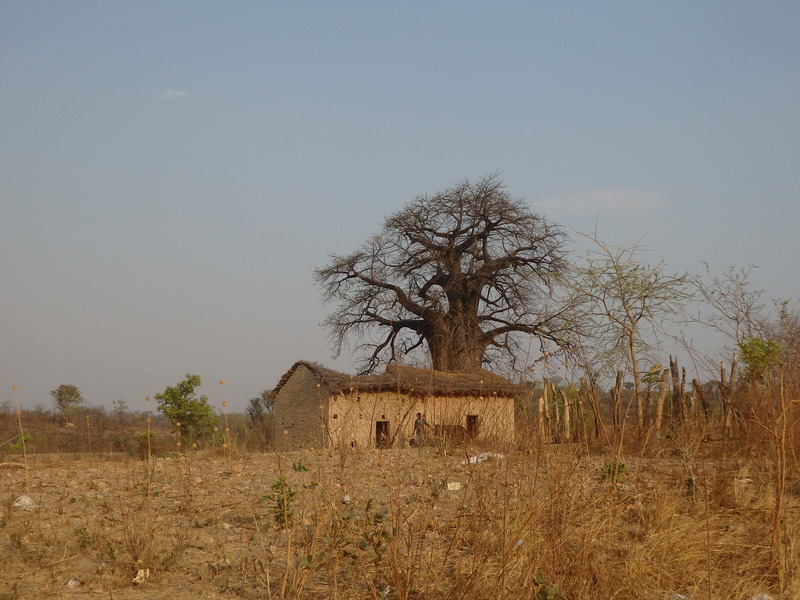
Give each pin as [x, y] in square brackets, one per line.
[382, 434]
[472, 426]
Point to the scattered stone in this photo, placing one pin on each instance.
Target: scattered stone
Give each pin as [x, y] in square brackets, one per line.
[25, 502]
[141, 576]
[736, 528]
[479, 458]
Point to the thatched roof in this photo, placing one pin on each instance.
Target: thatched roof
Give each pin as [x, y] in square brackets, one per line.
[408, 380]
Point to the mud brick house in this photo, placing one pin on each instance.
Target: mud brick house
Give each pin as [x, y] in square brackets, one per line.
[317, 407]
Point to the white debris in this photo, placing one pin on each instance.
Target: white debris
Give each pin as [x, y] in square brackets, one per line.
[24, 501]
[763, 597]
[453, 486]
[73, 583]
[141, 576]
[387, 593]
[479, 458]
[346, 499]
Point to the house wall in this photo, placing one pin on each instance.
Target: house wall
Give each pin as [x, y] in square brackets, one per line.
[352, 417]
[299, 413]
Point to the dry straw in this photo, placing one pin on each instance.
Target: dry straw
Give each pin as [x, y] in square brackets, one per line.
[227, 443]
[88, 434]
[148, 420]
[22, 441]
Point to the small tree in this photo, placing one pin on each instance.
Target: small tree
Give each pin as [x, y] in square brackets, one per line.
[259, 416]
[67, 398]
[627, 303]
[759, 356]
[258, 408]
[120, 411]
[731, 305]
[735, 308]
[193, 416]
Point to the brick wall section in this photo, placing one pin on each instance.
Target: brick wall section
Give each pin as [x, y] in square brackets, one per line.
[298, 418]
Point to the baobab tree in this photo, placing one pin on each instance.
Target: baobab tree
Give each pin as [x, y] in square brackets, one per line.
[463, 273]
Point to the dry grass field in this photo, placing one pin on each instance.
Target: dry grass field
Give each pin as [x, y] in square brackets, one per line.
[549, 522]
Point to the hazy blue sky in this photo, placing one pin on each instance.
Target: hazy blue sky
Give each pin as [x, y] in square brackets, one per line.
[171, 172]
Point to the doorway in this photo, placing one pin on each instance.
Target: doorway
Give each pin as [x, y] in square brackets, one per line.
[472, 426]
[382, 434]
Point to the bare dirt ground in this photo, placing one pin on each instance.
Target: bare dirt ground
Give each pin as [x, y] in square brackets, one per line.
[410, 523]
[204, 530]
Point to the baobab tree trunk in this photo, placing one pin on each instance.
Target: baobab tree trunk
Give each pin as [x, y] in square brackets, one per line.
[456, 347]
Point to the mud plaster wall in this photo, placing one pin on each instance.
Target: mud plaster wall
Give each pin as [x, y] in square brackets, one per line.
[352, 417]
